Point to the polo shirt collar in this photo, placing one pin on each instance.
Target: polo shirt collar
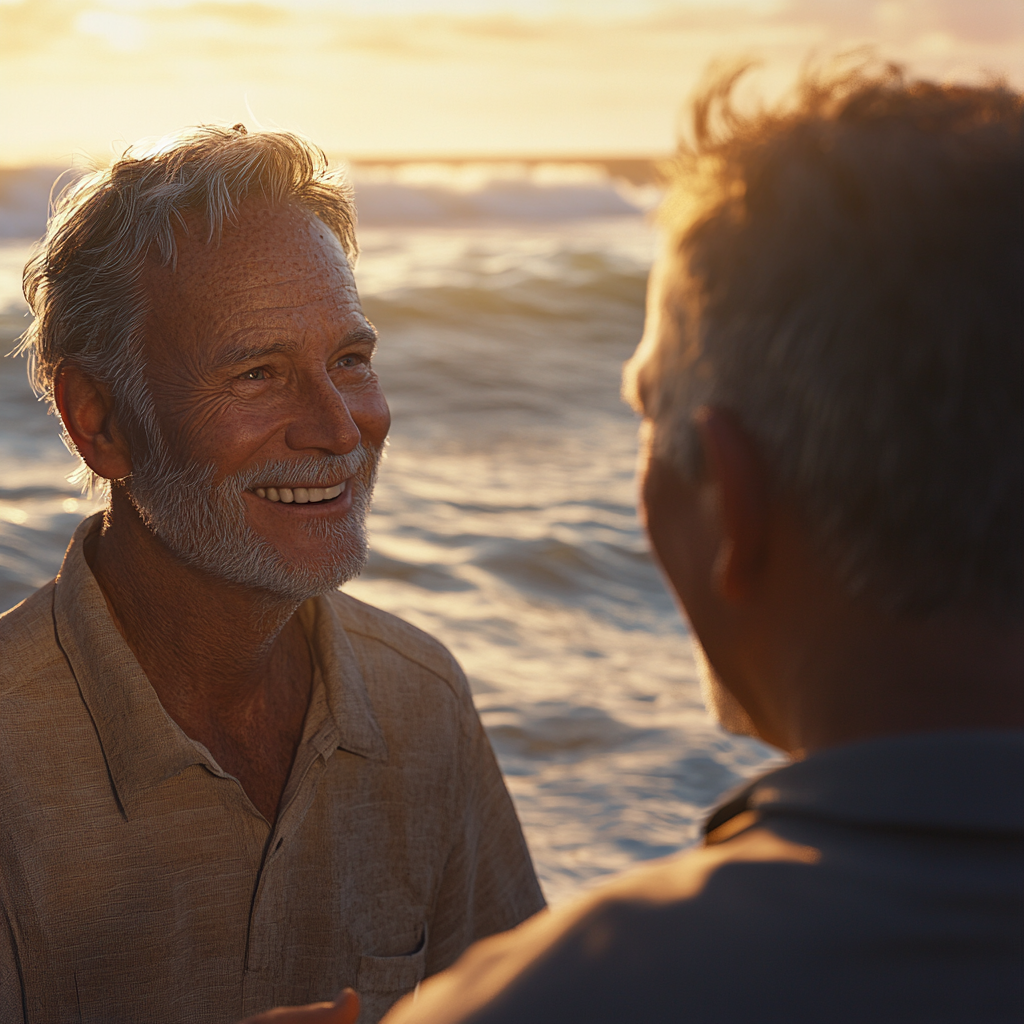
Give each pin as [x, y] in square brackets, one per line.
[143, 746]
[946, 781]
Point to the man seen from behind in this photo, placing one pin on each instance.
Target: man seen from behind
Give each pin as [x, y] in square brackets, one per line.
[831, 479]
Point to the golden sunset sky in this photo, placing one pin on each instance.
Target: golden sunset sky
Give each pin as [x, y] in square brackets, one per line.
[79, 79]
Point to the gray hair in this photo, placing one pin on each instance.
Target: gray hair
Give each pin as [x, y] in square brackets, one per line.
[845, 274]
[84, 282]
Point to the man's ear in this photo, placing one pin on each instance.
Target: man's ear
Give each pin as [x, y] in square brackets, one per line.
[735, 470]
[86, 408]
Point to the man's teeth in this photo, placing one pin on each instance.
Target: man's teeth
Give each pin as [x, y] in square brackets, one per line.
[300, 495]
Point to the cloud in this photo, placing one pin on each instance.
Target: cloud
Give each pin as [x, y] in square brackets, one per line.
[33, 25]
[84, 72]
[987, 21]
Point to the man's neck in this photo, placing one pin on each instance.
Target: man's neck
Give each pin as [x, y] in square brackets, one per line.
[230, 665]
[952, 670]
[835, 670]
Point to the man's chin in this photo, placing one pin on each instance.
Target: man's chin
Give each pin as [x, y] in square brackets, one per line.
[299, 582]
[230, 550]
[322, 561]
[296, 575]
[212, 532]
[723, 707]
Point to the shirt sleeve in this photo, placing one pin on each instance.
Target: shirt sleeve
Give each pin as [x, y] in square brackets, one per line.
[489, 884]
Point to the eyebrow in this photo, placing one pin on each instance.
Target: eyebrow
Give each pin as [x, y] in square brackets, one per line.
[245, 353]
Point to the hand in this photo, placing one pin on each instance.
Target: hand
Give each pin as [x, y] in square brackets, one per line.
[343, 1010]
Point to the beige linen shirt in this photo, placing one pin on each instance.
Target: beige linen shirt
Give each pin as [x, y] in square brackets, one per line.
[139, 884]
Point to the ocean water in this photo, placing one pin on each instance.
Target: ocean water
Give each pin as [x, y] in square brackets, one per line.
[504, 523]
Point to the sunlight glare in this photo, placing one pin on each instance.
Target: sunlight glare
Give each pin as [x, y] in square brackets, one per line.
[121, 32]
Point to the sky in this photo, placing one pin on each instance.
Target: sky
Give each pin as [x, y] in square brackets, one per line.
[81, 79]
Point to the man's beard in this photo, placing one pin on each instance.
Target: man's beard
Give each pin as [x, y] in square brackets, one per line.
[205, 524]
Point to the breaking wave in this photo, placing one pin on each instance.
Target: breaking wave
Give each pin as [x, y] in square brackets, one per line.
[407, 193]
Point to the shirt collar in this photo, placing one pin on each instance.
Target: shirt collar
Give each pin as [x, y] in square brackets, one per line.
[143, 746]
[351, 724]
[947, 781]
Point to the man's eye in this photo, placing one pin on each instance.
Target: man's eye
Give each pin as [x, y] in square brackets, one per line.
[256, 374]
[349, 362]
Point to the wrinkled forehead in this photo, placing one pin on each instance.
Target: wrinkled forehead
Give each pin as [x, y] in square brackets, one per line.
[271, 256]
[260, 233]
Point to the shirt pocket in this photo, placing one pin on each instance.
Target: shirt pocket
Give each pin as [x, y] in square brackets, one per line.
[393, 974]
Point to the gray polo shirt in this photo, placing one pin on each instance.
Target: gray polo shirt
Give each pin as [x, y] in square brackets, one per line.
[139, 884]
[875, 882]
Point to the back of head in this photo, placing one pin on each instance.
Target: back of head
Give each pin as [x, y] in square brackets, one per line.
[84, 283]
[845, 273]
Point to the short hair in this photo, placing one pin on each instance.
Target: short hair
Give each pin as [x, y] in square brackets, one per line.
[844, 272]
[84, 283]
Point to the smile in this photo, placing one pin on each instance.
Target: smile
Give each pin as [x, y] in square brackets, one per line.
[302, 495]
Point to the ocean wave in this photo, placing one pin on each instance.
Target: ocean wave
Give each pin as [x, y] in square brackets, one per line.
[412, 195]
[25, 197]
[385, 203]
[558, 729]
[570, 571]
[573, 286]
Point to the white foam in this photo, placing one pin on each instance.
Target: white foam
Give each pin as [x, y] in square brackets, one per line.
[13, 255]
[407, 194]
[24, 199]
[384, 203]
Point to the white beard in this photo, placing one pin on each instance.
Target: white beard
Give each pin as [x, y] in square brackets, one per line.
[205, 524]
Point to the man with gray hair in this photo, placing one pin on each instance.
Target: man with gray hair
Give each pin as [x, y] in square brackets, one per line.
[831, 477]
[224, 784]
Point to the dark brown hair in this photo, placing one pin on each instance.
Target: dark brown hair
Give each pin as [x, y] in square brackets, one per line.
[846, 276]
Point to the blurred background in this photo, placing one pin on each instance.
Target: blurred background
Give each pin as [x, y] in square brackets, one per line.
[505, 160]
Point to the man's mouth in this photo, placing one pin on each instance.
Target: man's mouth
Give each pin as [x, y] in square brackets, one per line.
[302, 495]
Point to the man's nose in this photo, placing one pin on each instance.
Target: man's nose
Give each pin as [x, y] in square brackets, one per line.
[321, 420]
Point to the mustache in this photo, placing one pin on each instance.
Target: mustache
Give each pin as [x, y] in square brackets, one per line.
[313, 470]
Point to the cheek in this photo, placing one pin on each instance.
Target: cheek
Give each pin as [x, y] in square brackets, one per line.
[192, 425]
[659, 507]
[675, 530]
[226, 434]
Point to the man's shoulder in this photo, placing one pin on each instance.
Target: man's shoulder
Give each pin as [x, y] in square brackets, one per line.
[42, 706]
[396, 640]
[28, 643]
[770, 924]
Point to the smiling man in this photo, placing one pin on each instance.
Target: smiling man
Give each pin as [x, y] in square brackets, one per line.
[225, 784]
